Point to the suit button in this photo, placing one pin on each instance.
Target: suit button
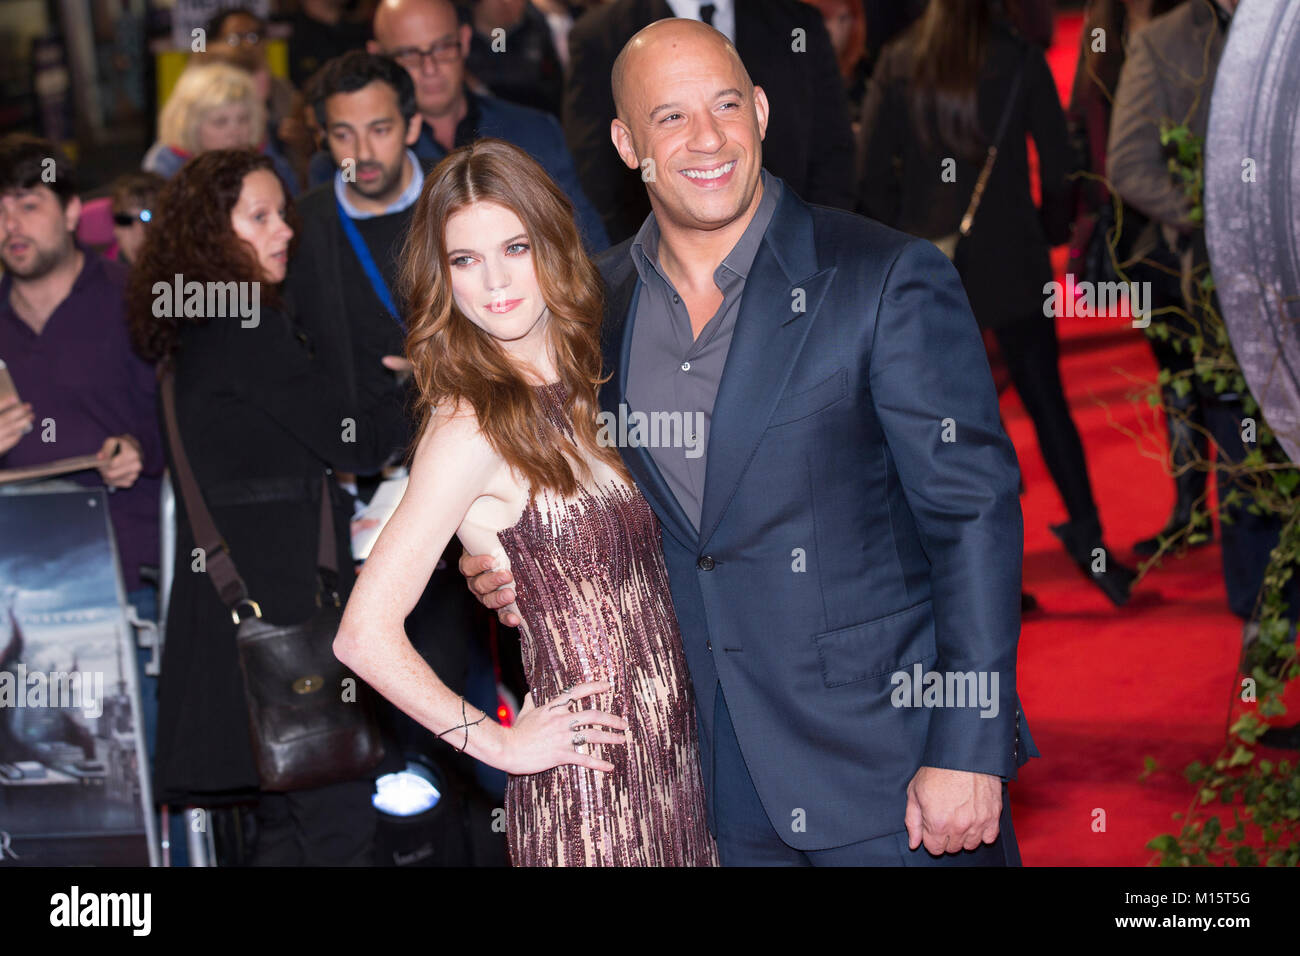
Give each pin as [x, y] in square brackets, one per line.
[705, 563]
[708, 644]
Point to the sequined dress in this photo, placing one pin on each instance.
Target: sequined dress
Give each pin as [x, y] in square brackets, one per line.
[592, 592]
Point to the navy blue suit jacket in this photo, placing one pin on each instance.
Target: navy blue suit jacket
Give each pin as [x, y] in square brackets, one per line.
[843, 539]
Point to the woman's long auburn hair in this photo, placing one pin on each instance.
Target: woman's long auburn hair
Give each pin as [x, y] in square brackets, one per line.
[455, 360]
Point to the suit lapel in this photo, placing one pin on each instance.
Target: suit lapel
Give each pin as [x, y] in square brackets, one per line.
[769, 334]
[616, 346]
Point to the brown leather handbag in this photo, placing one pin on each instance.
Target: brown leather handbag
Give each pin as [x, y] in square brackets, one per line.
[310, 719]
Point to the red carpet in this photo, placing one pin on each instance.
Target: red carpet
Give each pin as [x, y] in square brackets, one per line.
[1103, 688]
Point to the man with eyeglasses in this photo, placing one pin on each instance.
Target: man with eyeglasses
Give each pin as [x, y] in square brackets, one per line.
[427, 38]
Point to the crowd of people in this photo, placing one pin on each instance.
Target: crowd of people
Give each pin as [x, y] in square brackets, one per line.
[397, 213]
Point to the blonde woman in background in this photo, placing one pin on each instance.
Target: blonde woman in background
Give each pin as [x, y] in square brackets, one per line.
[214, 105]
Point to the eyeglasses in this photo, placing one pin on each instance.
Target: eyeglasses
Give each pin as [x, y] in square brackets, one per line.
[243, 39]
[412, 58]
[125, 219]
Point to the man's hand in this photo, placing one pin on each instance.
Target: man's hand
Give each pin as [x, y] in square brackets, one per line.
[120, 470]
[15, 422]
[952, 810]
[484, 584]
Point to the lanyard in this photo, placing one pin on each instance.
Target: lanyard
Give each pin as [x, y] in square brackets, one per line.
[362, 252]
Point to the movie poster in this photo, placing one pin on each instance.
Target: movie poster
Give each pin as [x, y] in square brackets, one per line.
[73, 784]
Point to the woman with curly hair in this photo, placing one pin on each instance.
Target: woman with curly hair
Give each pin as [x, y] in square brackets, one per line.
[505, 315]
[261, 423]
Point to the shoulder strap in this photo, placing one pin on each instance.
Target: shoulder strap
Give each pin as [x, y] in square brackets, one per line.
[327, 551]
[220, 565]
[968, 220]
[367, 261]
[218, 560]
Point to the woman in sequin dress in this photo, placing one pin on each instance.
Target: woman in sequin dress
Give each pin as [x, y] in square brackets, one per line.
[504, 316]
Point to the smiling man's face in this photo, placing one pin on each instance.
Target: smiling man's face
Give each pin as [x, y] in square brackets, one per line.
[687, 106]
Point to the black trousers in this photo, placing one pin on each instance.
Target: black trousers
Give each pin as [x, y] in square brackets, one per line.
[1032, 354]
[333, 825]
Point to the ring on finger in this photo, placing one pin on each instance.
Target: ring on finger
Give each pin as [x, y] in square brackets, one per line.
[579, 740]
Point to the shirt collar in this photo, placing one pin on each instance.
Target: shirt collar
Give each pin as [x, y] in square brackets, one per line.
[91, 267]
[645, 247]
[408, 197]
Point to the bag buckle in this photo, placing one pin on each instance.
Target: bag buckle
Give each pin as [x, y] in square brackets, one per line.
[234, 611]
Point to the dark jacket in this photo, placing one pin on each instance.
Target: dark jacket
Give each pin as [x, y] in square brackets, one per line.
[1005, 261]
[526, 69]
[330, 296]
[261, 422]
[809, 141]
[842, 540]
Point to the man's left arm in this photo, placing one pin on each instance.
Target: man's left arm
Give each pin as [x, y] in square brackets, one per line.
[935, 399]
[934, 395]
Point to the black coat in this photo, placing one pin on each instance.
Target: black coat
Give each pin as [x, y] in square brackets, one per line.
[1005, 261]
[261, 421]
[809, 141]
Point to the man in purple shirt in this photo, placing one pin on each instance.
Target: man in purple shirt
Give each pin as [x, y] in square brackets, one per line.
[63, 335]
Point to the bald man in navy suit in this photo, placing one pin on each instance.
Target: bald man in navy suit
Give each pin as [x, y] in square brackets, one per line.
[845, 555]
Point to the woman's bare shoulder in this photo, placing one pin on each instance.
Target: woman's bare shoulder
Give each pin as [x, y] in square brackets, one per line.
[455, 422]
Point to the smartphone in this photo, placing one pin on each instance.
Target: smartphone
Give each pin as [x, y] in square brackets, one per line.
[7, 390]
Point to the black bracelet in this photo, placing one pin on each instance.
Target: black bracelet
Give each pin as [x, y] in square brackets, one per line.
[465, 724]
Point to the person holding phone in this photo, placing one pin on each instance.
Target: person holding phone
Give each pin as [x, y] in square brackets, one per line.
[63, 338]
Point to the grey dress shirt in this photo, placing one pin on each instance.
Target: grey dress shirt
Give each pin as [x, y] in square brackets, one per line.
[673, 377]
